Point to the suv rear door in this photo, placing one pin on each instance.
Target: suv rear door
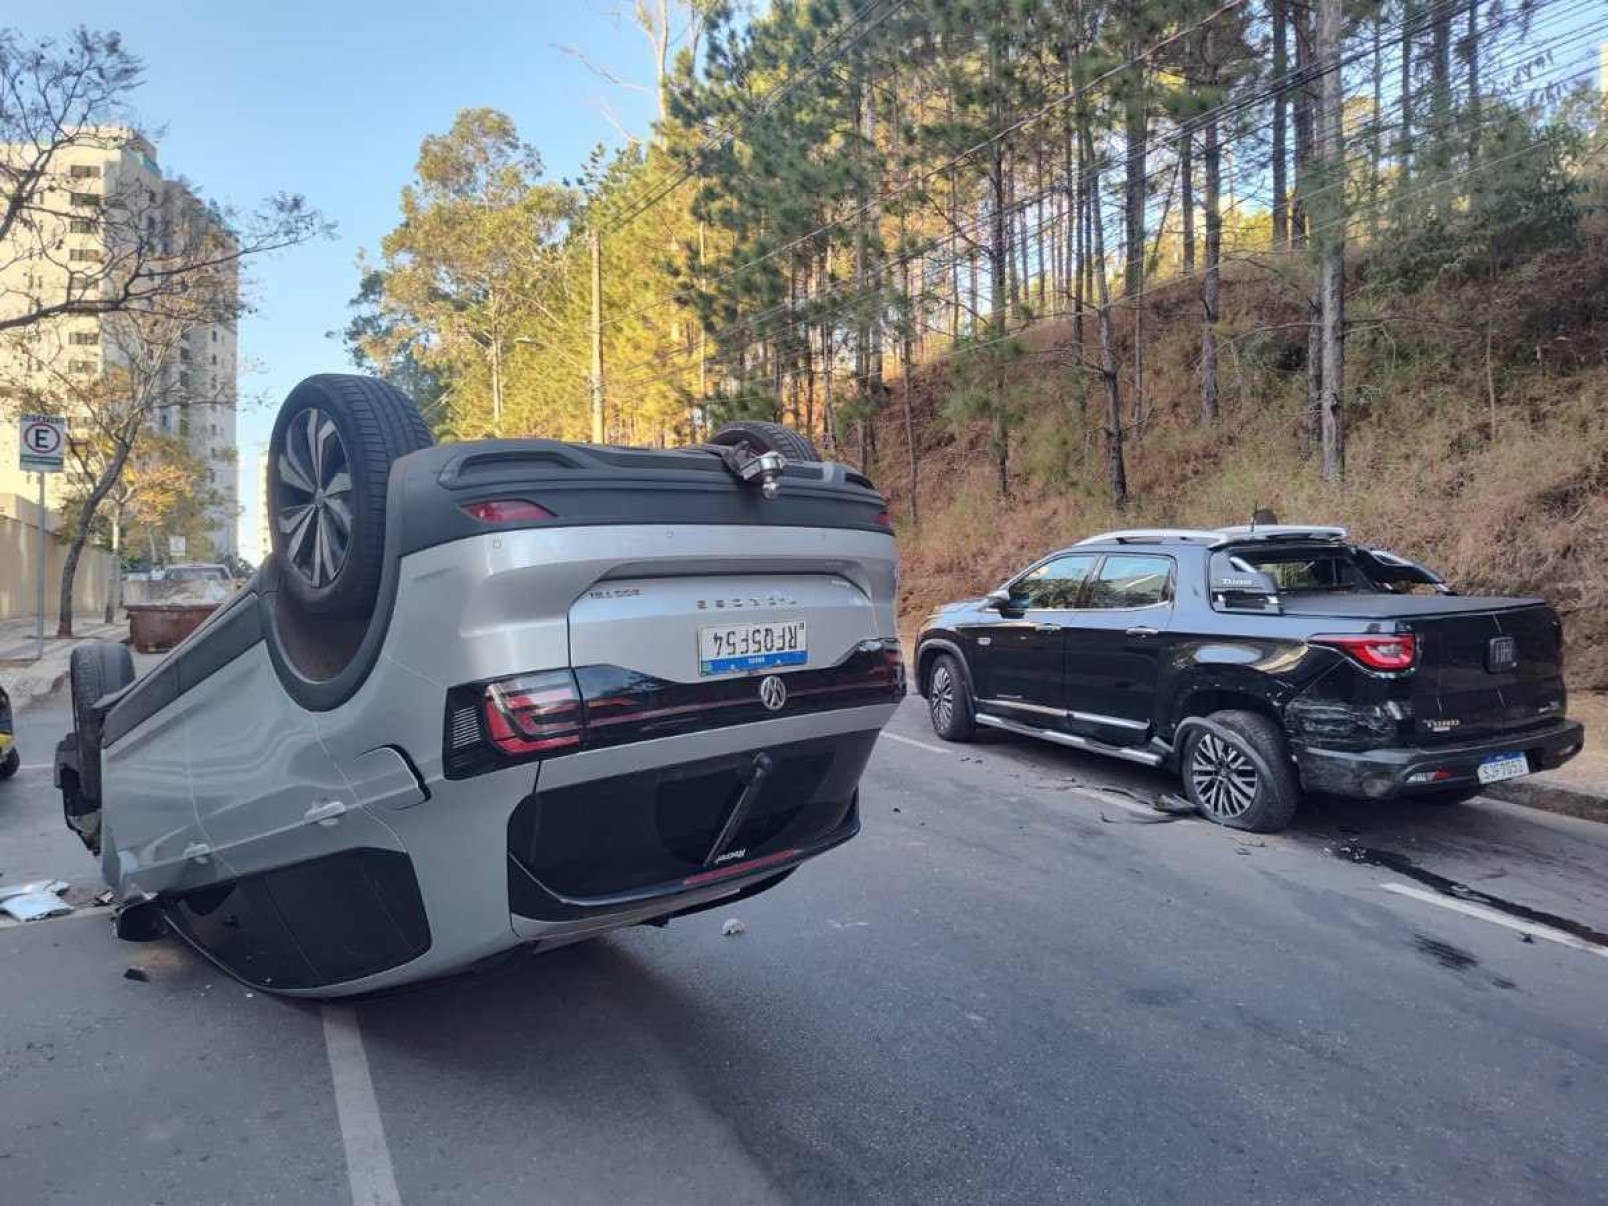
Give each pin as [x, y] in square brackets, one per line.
[1114, 644]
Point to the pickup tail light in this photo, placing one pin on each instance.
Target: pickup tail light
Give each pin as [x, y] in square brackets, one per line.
[1390, 654]
[533, 712]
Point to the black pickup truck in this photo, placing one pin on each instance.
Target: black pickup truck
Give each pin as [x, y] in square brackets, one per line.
[1259, 662]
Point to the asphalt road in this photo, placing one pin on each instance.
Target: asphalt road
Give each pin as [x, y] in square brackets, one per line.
[1017, 985]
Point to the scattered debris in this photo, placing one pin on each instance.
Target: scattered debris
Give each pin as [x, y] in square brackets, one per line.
[1241, 850]
[104, 898]
[1526, 937]
[732, 926]
[1172, 802]
[896, 808]
[137, 974]
[35, 901]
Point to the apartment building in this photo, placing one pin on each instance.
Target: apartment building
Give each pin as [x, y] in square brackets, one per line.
[117, 167]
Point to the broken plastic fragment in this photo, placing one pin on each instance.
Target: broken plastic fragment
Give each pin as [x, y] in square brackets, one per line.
[732, 926]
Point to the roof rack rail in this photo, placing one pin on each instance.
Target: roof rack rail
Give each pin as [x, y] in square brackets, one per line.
[1217, 537]
[1154, 536]
[1281, 531]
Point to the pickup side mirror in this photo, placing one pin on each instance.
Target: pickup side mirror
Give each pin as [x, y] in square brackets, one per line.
[997, 600]
[1236, 587]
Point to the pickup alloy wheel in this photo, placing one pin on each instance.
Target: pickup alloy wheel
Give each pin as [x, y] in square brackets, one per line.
[948, 704]
[1236, 769]
[1223, 777]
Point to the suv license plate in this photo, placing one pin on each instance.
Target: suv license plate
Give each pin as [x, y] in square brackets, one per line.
[733, 648]
[1503, 766]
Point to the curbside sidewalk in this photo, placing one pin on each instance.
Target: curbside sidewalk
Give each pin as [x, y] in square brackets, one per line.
[26, 680]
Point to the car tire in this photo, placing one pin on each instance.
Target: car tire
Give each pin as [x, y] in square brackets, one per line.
[766, 437]
[329, 466]
[1238, 773]
[1457, 795]
[949, 704]
[10, 763]
[95, 670]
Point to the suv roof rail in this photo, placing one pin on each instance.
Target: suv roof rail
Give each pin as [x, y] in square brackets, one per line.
[1217, 537]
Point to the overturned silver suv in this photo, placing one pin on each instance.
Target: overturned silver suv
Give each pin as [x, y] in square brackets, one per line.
[492, 693]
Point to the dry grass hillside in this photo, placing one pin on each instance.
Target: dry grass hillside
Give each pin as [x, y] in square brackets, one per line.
[1478, 439]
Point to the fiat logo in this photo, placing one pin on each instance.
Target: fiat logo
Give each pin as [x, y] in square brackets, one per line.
[772, 692]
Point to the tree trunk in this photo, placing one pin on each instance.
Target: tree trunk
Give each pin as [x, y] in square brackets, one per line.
[1333, 239]
[1376, 130]
[1305, 101]
[1471, 55]
[86, 517]
[1186, 181]
[999, 264]
[114, 588]
[1281, 105]
[1135, 131]
[1409, 18]
[1108, 356]
[1211, 162]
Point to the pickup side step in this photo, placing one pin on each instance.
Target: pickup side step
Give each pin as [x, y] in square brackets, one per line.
[1088, 745]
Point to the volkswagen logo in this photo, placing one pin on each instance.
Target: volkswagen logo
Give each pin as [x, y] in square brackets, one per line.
[772, 692]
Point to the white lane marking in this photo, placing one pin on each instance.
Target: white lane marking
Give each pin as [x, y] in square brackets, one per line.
[368, 1159]
[920, 745]
[1496, 918]
[34, 766]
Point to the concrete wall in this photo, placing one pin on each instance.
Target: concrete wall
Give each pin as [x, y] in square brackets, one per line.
[19, 558]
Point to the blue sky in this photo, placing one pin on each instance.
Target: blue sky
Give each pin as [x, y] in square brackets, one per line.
[331, 100]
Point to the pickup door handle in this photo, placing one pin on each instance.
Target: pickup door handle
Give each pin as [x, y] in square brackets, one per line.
[1143, 630]
[1046, 628]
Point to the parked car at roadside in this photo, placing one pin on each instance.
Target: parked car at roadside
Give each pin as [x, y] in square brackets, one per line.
[492, 693]
[1259, 663]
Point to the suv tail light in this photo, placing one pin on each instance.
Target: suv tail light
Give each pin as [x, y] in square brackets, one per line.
[490, 725]
[533, 712]
[506, 510]
[1388, 654]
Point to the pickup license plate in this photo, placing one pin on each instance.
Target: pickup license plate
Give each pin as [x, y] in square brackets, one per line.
[733, 648]
[1503, 766]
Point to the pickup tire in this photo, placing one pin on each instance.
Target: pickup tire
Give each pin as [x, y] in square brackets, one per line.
[95, 670]
[949, 704]
[1237, 771]
[10, 763]
[766, 437]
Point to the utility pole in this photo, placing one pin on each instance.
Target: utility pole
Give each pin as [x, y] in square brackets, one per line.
[597, 337]
[1332, 241]
[39, 580]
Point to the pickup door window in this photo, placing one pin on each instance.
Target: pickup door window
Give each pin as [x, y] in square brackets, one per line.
[1019, 655]
[1114, 647]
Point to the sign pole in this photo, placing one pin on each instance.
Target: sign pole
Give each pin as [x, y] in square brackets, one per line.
[42, 448]
[39, 594]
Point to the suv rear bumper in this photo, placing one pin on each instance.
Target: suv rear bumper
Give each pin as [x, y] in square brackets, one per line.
[1386, 773]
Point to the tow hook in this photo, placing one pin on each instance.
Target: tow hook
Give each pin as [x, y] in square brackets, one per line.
[749, 467]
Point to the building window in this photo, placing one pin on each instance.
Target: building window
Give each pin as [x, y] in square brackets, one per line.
[214, 356]
[84, 367]
[87, 200]
[214, 337]
[85, 339]
[184, 355]
[92, 255]
[84, 171]
[184, 380]
[184, 423]
[83, 225]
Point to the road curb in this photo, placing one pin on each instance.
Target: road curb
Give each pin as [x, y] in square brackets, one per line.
[1552, 797]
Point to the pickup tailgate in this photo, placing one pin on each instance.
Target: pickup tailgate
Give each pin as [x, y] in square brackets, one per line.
[1486, 666]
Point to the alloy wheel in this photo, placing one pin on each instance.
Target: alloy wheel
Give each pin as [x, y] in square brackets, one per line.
[1224, 778]
[943, 697]
[315, 497]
